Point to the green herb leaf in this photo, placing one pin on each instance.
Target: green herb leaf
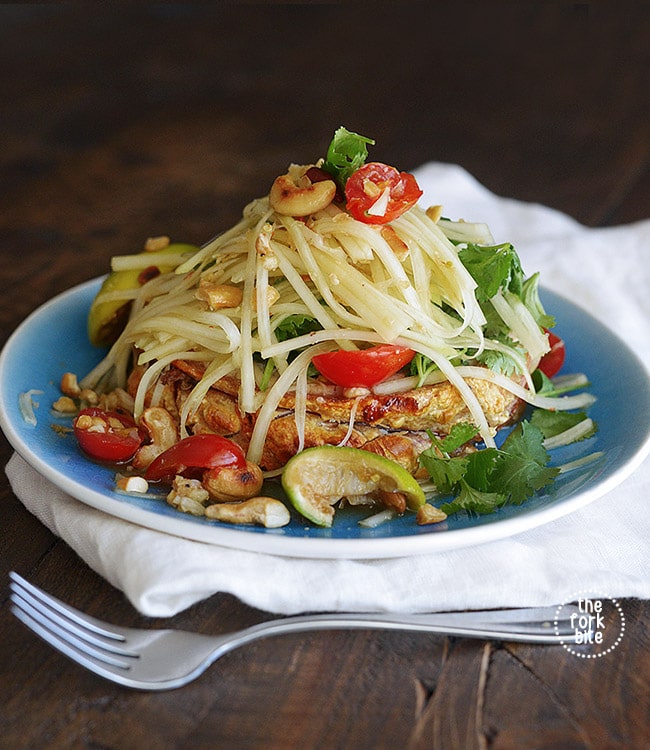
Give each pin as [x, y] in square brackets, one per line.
[472, 500]
[486, 480]
[459, 434]
[530, 298]
[269, 367]
[521, 468]
[290, 328]
[543, 384]
[493, 267]
[498, 362]
[345, 154]
[480, 466]
[445, 473]
[421, 367]
[296, 325]
[553, 423]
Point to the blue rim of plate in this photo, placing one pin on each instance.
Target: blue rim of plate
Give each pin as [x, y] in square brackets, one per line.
[53, 340]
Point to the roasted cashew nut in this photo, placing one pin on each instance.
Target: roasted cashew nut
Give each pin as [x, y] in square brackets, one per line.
[265, 511]
[289, 199]
[161, 427]
[230, 483]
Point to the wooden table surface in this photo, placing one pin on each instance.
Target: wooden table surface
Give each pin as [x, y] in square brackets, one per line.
[118, 123]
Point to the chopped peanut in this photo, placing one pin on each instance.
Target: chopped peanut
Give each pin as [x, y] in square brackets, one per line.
[69, 385]
[371, 189]
[263, 248]
[188, 496]
[394, 500]
[429, 514]
[91, 423]
[89, 396]
[65, 405]
[153, 244]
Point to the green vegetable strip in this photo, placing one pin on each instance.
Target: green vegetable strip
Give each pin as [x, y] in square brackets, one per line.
[522, 324]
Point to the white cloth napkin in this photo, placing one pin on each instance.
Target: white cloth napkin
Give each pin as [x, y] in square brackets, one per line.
[602, 547]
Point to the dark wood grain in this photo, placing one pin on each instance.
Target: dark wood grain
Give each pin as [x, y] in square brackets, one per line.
[121, 123]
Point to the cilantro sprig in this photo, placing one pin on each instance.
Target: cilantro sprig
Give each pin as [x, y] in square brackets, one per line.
[488, 479]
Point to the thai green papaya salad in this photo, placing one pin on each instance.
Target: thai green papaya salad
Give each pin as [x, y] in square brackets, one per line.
[341, 341]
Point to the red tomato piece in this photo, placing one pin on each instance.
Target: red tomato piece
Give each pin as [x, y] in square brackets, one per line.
[377, 193]
[107, 435]
[551, 363]
[197, 452]
[363, 367]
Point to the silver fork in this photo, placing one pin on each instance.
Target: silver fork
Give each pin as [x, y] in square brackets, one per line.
[162, 659]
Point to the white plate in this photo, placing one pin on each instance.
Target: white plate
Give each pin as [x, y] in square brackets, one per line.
[53, 340]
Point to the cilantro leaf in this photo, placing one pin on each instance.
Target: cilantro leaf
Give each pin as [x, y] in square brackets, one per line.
[445, 473]
[553, 423]
[493, 267]
[486, 480]
[345, 154]
[521, 468]
[498, 362]
[526, 441]
[290, 328]
[474, 501]
[296, 325]
[459, 434]
[480, 466]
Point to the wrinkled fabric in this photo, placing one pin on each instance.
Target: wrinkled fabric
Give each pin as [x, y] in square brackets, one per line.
[601, 547]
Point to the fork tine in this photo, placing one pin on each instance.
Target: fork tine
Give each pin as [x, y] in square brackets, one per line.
[65, 627]
[20, 584]
[64, 640]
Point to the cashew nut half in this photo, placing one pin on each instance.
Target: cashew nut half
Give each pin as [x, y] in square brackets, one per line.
[230, 483]
[161, 427]
[301, 198]
[265, 511]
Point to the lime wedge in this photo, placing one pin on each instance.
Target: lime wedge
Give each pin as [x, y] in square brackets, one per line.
[317, 478]
[107, 317]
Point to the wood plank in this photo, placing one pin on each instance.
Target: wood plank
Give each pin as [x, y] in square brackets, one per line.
[122, 123]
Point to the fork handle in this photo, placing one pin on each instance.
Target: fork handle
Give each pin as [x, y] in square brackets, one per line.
[512, 625]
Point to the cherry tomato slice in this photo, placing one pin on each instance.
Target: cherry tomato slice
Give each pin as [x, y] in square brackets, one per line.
[551, 363]
[377, 193]
[202, 452]
[107, 435]
[364, 367]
